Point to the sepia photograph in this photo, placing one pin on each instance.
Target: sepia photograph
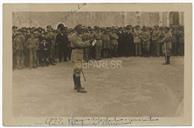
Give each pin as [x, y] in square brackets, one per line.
[97, 64]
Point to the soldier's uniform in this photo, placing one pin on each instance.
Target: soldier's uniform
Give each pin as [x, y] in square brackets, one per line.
[105, 45]
[156, 42]
[86, 36]
[33, 44]
[114, 43]
[50, 38]
[181, 41]
[98, 47]
[137, 42]
[18, 42]
[145, 37]
[26, 50]
[77, 45]
[14, 32]
[167, 45]
[130, 43]
[44, 52]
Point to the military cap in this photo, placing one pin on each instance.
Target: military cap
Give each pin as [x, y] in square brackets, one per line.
[48, 27]
[129, 26]
[78, 27]
[14, 27]
[166, 28]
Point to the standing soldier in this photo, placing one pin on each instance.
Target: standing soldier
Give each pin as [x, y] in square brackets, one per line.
[156, 41]
[105, 44]
[181, 40]
[26, 50]
[98, 47]
[14, 32]
[137, 41]
[78, 45]
[175, 43]
[114, 43]
[44, 51]
[33, 44]
[120, 42]
[19, 41]
[130, 40]
[167, 44]
[86, 36]
[145, 37]
[70, 32]
[50, 38]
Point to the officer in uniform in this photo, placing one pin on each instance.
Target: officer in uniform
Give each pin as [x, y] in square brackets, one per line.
[156, 40]
[120, 41]
[86, 35]
[145, 37]
[167, 44]
[44, 51]
[14, 32]
[137, 41]
[32, 45]
[114, 43]
[78, 45]
[50, 38]
[130, 43]
[181, 40]
[98, 47]
[18, 42]
[105, 44]
[175, 42]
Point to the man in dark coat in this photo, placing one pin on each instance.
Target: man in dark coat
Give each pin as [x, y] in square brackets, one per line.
[61, 42]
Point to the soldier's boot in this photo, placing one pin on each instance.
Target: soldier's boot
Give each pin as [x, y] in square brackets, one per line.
[168, 59]
[78, 83]
[74, 81]
[80, 89]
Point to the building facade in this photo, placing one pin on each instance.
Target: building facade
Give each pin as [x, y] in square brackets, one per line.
[70, 19]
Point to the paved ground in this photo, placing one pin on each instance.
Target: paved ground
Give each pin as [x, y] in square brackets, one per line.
[140, 87]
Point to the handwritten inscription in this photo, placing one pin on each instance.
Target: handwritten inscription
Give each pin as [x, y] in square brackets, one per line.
[98, 121]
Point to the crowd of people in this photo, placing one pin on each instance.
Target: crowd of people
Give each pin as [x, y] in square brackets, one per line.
[35, 46]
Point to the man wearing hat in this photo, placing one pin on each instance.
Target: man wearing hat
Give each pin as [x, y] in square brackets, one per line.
[18, 44]
[61, 42]
[156, 40]
[145, 37]
[98, 47]
[114, 43]
[77, 45]
[167, 44]
[50, 38]
[32, 45]
[137, 41]
[105, 43]
[14, 32]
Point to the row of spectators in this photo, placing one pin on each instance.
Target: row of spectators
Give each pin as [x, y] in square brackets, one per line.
[33, 47]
